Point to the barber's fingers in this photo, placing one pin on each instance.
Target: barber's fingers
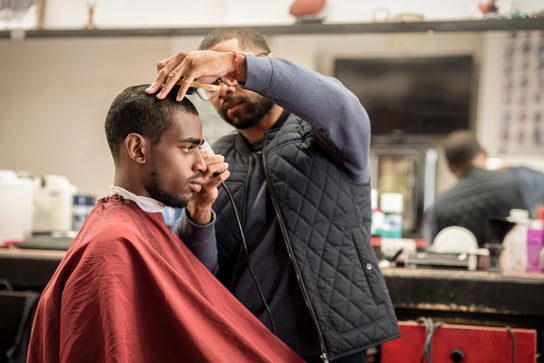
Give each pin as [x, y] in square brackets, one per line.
[169, 73]
[163, 62]
[204, 66]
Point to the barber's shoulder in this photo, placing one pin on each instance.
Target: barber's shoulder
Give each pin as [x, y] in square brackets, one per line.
[225, 142]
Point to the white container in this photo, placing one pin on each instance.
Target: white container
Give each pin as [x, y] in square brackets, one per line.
[15, 207]
[53, 198]
[514, 256]
[391, 205]
[377, 214]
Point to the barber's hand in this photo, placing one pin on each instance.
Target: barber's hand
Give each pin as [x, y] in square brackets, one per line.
[202, 65]
[200, 206]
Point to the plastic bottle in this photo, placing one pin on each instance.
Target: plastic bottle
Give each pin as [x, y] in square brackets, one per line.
[377, 214]
[82, 206]
[16, 195]
[514, 255]
[541, 218]
[53, 202]
[392, 205]
[535, 243]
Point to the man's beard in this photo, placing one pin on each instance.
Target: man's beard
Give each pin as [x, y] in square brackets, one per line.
[163, 196]
[257, 108]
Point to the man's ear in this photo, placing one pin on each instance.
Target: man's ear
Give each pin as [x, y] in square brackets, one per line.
[137, 147]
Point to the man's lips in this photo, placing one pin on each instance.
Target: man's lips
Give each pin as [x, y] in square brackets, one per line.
[195, 187]
[229, 106]
[195, 183]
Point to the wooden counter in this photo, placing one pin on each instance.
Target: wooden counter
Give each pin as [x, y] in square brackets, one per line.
[451, 296]
[467, 295]
[28, 269]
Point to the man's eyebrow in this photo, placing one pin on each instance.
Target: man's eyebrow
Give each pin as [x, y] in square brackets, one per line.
[193, 140]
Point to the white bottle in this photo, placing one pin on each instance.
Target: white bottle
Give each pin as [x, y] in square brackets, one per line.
[53, 204]
[377, 214]
[514, 255]
[392, 206]
[16, 195]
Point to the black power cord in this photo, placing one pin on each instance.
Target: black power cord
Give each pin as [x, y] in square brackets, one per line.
[514, 348]
[246, 251]
[205, 145]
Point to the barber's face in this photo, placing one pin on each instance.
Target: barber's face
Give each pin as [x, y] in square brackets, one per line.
[239, 107]
[176, 164]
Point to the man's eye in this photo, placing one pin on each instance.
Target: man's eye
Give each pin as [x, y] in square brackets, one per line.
[187, 149]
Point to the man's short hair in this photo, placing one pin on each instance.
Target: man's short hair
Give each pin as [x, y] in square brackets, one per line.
[133, 110]
[248, 38]
[461, 147]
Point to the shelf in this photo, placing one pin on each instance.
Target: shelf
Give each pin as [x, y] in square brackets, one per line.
[519, 24]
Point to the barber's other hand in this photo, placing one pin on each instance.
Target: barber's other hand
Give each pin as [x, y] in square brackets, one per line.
[202, 65]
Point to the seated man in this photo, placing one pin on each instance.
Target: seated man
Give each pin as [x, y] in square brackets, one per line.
[128, 290]
[480, 194]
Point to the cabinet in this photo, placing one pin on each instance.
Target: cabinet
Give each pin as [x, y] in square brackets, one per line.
[460, 343]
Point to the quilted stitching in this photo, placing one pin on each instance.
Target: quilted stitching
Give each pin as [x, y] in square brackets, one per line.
[323, 213]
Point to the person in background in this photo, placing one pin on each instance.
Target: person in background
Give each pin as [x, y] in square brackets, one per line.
[480, 194]
[128, 290]
[300, 182]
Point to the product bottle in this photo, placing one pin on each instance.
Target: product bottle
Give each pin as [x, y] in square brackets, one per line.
[392, 205]
[377, 214]
[541, 218]
[535, 243]
[514, 256]
[82, 206]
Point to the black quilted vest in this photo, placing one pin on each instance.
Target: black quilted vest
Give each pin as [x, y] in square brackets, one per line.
[325, 220]
[476, 198]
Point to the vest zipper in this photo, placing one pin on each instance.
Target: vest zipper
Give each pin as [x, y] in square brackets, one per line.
[290, 252]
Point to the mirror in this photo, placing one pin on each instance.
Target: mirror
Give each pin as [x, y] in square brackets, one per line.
[57, 91]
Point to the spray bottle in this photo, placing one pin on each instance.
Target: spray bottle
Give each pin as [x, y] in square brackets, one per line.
[535, 244]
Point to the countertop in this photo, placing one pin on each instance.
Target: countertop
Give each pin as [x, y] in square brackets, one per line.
[451, 296]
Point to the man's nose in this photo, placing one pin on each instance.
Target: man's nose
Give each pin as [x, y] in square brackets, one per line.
[200, 163]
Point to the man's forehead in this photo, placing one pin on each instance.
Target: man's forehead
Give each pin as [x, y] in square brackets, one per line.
[187, 126]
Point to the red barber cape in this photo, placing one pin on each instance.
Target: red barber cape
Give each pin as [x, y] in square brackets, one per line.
[128, 290]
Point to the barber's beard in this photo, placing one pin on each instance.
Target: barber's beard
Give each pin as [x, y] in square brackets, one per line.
[158, 193]
[257, 107]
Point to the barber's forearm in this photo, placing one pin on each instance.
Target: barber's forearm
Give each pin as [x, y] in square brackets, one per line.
[341, 124]
[301, 90]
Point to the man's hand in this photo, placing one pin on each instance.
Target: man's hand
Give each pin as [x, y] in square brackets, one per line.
[200, 206]
[202, 65]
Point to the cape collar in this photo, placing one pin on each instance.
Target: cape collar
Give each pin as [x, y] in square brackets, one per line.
[149, 205]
